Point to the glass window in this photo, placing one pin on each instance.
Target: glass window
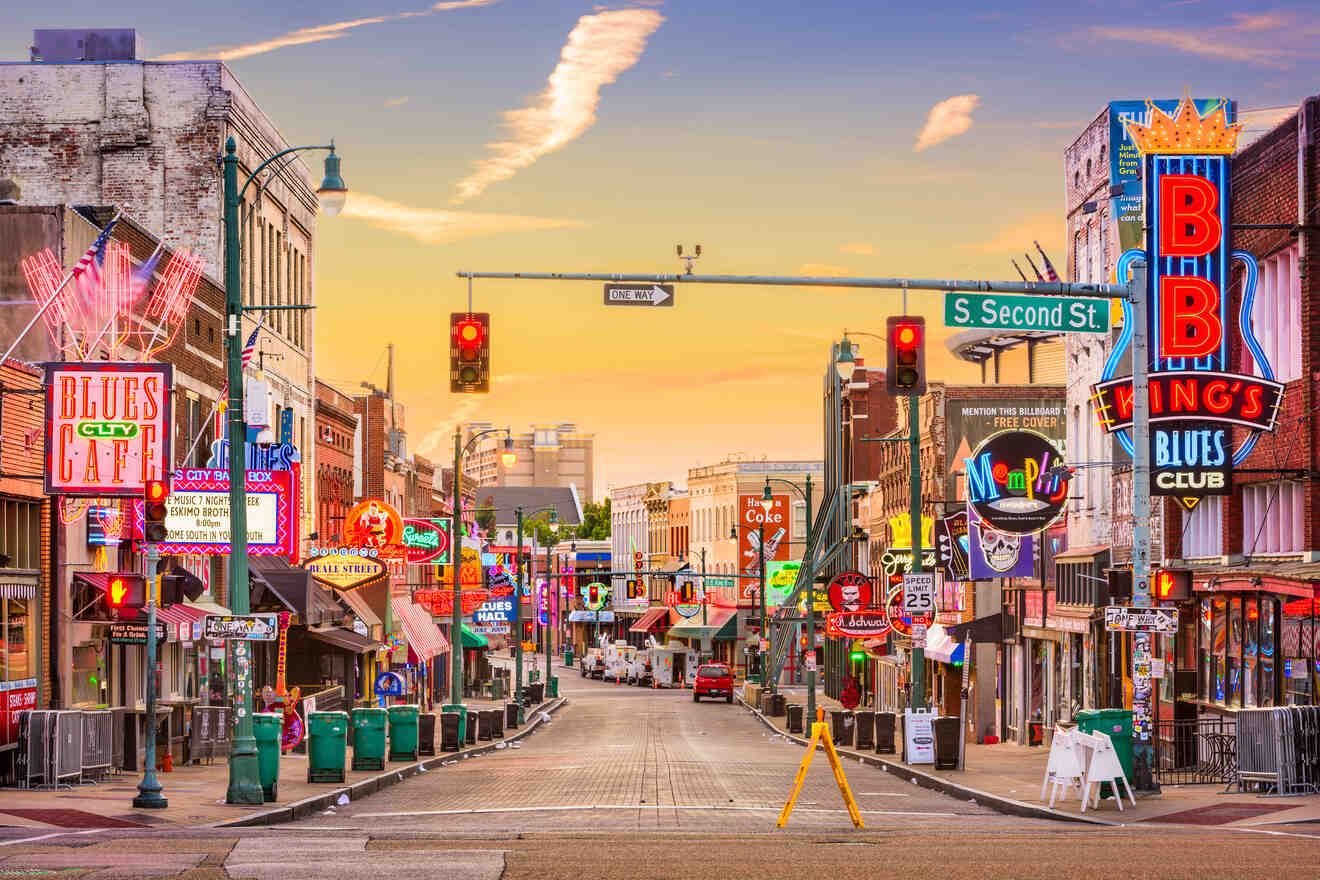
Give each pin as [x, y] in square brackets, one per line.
[18, 658]
[1267, 650]
[1217, 642]
[1233, 659]
[1250, 641]
[1204, 645]
[1296, 643]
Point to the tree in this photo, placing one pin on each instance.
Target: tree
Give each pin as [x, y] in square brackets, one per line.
[595, 522]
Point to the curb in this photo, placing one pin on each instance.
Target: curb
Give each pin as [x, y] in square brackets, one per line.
[996, 802]
[393, 776]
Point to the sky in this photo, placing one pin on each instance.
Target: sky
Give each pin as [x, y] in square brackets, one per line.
[823, 138]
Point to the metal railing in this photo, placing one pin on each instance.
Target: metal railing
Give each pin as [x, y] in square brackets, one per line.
[813, 560]
[97, 739]
[1195, 751]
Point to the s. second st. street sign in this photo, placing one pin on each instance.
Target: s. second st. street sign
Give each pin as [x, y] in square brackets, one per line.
[639, 294]
[1056, 314]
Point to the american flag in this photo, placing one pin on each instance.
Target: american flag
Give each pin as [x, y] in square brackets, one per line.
[88, 271]
[1050, 274]
[251, 346]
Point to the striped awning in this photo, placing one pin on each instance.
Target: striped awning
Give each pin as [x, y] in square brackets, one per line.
[423, 636]
[178, 619]
[18, 591]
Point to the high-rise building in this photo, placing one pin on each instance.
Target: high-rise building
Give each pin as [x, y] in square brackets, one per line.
[548, 455]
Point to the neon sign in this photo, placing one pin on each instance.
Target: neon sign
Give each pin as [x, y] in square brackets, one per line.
[1195, 401]
[107, 427]
[1015, 484]
[426, 540]
[376, 525]
[197, 513]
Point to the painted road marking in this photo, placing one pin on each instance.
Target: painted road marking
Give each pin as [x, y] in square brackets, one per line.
[48, 836]
[579, 807]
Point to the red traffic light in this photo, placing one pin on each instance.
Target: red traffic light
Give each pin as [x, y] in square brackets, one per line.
[469, 352]
[125, 593]
[154, 510]
[1171, 586]
[905, 344]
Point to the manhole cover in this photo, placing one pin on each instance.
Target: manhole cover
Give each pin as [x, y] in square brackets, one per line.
[74, 819]
[1221, 814]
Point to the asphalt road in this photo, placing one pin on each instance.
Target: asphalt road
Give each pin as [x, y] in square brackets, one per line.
[628, 783]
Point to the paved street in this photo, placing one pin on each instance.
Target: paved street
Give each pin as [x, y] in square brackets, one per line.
[633, 783]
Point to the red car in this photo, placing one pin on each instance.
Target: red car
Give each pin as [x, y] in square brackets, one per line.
[713, 680]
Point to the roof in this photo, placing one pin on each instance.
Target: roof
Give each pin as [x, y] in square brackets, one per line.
[506, 498]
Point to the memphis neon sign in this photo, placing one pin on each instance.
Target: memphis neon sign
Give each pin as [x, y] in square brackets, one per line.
[1013, 483]
[1195, 400]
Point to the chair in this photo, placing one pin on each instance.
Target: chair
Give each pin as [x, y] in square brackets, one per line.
[1066, 767]
[1104, 767]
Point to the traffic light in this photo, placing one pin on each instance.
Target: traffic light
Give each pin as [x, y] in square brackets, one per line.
[593, 594]
[905, 346]
[125, 593]
[1171, 586]
[1119, 584]
[469, 352]
[153, 513]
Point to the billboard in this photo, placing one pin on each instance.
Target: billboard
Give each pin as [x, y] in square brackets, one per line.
[108, 427]
[970, 421]
[777, 523]
[197, 513]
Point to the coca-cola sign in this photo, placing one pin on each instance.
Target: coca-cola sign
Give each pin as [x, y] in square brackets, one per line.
[751, 517]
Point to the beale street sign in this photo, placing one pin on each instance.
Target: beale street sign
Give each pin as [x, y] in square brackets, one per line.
[1056, 314]
[1196, 397]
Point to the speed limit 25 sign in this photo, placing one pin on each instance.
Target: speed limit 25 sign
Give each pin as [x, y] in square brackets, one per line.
[919, 594]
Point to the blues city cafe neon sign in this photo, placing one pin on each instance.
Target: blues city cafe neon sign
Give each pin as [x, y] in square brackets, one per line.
[1195, 398]
[1014, 484]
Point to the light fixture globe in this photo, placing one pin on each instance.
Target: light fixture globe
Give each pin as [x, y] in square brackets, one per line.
[508, 457]
[333, 192]
[845, 362]
[767, 500]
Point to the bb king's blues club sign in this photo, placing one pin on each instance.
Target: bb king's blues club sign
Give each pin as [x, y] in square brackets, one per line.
[1196, 398]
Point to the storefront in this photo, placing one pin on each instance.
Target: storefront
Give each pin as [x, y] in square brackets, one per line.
[654, 623]
[713, 635]
[425, 649]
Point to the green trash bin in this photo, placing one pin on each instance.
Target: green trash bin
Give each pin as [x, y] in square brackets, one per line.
[568, 658]
[1117, 725]
[403, 733]
[266, 727]
[553, 690]
[369, 738]
[327, 745]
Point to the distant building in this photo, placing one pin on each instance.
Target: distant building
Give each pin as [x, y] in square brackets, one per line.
[547, 455]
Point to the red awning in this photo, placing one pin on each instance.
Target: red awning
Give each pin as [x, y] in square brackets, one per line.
[423, 636]
[650, 621]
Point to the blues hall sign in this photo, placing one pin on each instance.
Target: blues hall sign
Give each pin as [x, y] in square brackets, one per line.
[1196, 395]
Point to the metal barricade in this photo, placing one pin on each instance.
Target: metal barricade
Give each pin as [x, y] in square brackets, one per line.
[68, 744]
[210, 732]
[34, 747]
[96, 743]
[1278, 748]
[117, 716]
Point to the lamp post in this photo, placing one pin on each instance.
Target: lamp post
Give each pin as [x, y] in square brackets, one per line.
[811, 590]
[764, 636]
[508, 458]
[517, 610]
[244, 780]
[550, 617]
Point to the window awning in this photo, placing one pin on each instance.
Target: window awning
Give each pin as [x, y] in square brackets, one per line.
[357, 602]
[474, 640]
[293, 588]
[982, 630]
[175, 616]
[342, 638]
[721, 623]
[940, 647]
[423, 636]
[1081, 554]
[654, 619]
[18, 591]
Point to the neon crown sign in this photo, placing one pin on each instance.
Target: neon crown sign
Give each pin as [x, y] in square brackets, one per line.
[1195, 398]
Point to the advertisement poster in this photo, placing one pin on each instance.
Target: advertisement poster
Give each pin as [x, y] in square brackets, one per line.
[777, 523]
[15, 697]
[197, 513]
[107, 427]
[779, 580]
[996, 555]
[969, 422]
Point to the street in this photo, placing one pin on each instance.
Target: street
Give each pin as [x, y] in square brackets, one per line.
[629, 782]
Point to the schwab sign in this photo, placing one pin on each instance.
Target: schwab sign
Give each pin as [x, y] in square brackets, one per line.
[1196, 400]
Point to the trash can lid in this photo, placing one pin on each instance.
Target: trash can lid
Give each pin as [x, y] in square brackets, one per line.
[327, 713]
[407, 707]
[365, 710]
[267, 717]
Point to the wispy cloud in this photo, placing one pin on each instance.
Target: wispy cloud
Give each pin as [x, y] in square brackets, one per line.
[315, 34]
[599, 48]
[1264, 39]
[1013, 239]
[443, 227]
[823, 269]
[859, 248]
[395, 102]
[438, 438]
[949, 118]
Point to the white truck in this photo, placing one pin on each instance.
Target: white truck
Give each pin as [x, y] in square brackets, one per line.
[673, 666]
[618, 660]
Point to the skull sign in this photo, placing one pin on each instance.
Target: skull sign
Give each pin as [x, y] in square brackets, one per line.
[849, 591]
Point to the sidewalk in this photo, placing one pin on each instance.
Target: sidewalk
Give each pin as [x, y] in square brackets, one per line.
[196, 793]
[1008, 777]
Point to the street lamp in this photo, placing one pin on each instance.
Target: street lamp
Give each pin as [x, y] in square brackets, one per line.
[845, 363]
[517, 598]
[760, 550]
[456, 558]
[244, 778]
[548, 631]
[508, 457]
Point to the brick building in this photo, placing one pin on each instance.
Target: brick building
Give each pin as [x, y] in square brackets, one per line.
[338, 462]
[1248, 631]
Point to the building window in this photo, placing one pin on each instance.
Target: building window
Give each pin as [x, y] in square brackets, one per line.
[1277, 315]
[20, 534]
[1203, 532]
[1272, 518]
[1237, 642]
[18, 642]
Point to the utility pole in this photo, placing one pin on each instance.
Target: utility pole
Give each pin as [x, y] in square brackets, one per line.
[1143, 747]
[914, 511]
[456, 612]
[149, 795]
[811, 613]
[517, 622]
[765, 630]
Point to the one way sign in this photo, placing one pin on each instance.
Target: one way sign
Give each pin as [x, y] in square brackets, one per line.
[639, 294]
